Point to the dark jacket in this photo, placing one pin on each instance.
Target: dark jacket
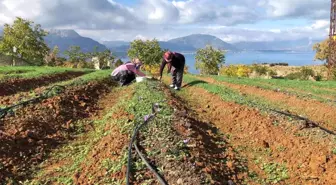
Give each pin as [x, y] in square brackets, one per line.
[178, 62]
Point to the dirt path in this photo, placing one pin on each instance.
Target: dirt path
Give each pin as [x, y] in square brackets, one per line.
[14, 86]
[264, 144]
[316, 111]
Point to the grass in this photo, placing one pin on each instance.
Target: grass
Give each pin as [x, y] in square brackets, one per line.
[231, 95]
[315, 88]
[28, 72]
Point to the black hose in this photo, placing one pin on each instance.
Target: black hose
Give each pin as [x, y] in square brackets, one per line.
[155, 110]
[135, 132]
[158, 176]
[4, 111]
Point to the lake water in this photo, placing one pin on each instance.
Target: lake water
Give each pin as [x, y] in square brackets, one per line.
[250, 57]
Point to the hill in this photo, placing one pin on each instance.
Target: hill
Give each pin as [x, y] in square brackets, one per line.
[201, 40]
[66, 38]
[297, 45]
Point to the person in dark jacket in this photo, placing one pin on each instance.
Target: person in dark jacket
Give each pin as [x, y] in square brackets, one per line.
[175, 62]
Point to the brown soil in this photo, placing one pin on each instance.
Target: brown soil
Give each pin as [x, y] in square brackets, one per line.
[29, 136]
[316, 111]
[257, 136]
[110, 147]
[210, 149]
[14, 86]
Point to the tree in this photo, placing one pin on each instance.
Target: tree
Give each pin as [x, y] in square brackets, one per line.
[52, 59]
[322, 50]
[209, 60]
[149, 51]
[28, 40]
[118, 63]
[75, 54]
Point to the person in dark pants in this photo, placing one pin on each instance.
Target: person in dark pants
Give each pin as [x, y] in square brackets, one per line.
[175, 62]
[127, 72]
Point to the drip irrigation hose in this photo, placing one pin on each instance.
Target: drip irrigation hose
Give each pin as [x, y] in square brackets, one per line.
[158, 176]
[4, 111]
[155, 109]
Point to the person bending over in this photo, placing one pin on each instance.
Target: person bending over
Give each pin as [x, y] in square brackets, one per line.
[175, 62]
[127, 72]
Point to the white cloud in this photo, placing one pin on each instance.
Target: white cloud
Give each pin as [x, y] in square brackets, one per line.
[163, 19]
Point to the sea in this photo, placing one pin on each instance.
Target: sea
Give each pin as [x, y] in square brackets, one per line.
[293, 58]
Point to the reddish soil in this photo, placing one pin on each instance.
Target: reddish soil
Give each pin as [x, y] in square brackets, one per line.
[109, 147]
[28, 137]
[14, 86]
[210, 150]
[257, 136]
[316, 111]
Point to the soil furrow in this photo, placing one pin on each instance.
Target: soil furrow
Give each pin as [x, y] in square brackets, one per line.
[13, 86]
[264, 143]
[28, 136]
[316, 111]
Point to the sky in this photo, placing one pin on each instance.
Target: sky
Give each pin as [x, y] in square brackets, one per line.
[126, 20]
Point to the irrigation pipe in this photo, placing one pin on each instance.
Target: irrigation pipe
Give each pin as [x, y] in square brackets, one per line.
[155, 110]
[158, 176]
[4, 111]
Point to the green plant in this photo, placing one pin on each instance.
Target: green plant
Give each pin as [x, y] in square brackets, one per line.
[306, 73]
[275, 172]
[149, 51]
[209, 60]
[260, 69]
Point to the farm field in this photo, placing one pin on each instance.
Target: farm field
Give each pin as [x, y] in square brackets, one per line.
[216, 130]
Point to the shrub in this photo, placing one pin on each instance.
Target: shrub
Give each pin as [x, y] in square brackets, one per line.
[318, 77]
[260, 69]
[306, 73]
[152, 69]
[294, 76]
[235, 71]
[303, 74]
[272, 73]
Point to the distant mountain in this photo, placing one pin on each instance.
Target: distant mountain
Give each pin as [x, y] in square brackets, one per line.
[115, 44]
[66, 38]
[201, 40]
[298, 45]
[183, 44]
[122, 46]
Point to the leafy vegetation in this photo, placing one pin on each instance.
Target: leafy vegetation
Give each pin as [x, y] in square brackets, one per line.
[304, 74]
[235, 71]
[209, 60]
[301, 88]
[322, 50]
[149, 51]
[24, 40]
[26, 72]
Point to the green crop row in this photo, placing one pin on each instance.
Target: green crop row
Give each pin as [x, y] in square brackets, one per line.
[267, 84]
[27, 72]
[318, 88]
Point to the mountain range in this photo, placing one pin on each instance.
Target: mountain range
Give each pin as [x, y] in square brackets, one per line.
[66, 38]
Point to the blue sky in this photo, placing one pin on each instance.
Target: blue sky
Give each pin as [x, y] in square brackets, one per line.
[232, 21]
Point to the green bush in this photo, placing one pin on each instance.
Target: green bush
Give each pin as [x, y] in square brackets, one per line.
[260, 69]
[272, 73]
[306, 73]
[294, 76]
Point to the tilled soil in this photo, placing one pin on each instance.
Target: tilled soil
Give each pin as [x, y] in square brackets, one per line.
[28, 136]
[316, 111]
[261, 141]
[13, 86]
